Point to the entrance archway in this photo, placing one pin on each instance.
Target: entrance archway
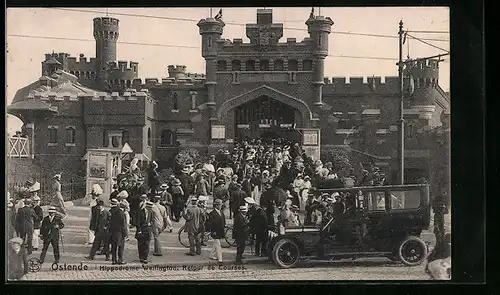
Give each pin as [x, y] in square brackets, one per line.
[266, 118]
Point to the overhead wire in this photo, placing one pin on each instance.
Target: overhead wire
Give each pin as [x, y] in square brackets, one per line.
[175, 46]
[427, 43]
[234, 23]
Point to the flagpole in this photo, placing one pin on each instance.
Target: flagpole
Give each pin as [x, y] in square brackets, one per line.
[319, 11]
[210, 12]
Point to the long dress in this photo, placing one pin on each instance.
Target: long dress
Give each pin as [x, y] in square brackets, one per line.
[57, 200]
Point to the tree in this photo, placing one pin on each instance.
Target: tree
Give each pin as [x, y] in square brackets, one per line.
[340, 161]
[185, 157]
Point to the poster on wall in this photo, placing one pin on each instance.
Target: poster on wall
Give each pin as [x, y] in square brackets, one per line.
[311, 137]
[218, 132]
[97, 165]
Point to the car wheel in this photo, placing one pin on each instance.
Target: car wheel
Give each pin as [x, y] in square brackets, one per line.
[412, 251]
[286, 253]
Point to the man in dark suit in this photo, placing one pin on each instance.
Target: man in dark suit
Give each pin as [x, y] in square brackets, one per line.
[237, 198]
[143, 232]
[193, 217]
[216, 225]
[37, 222]
[94, 216]
[49, 232]
[187, 183]
[118, 232]
[101, 232]
[240, 232]
[114, 193]
[258, 226]
[25, 218]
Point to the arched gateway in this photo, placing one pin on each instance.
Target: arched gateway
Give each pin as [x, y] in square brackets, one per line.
[265, 112]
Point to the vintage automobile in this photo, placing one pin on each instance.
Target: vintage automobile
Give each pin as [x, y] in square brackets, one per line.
[382, 221]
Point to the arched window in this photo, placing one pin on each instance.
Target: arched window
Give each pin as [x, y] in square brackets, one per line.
[105, 138]
[150, 139]
[293, 65]
[52, 134]
[125, 137]
[278, 65]
[114, 141]
[167, 138]
[221, 66]
[250, 65]
[307, 65]
[175, 101]
[264, 65]
[70, 134]
[236, 65]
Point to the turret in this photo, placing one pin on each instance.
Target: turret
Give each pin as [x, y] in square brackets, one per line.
[319, 28]
[210, 30]
[422, 77]
[106, 33]
[177, 72]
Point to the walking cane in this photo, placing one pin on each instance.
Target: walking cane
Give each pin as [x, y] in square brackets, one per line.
[62, 241]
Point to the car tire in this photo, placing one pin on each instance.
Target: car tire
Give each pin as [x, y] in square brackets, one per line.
[412, 251]
[286, 253]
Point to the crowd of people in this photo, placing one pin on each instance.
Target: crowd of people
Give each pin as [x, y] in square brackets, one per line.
[261, 186]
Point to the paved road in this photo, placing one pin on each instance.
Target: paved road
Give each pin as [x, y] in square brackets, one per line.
[182, 267]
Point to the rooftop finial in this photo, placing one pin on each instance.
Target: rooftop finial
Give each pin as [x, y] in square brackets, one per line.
[210, 12]
[107, 12]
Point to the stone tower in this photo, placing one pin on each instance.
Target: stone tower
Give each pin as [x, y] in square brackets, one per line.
[106, 33]
[211, 31]
[319, 27]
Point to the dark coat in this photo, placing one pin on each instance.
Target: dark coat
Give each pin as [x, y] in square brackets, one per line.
[216, 224]
[237, 199]
[143, 225]
[117, 224]
[48, 229]
[102, 225]
[11, 219]
[240, 227]
[187, 184]
[220, 192]
[153, 179]
[37, 222]
[25, 218]
[246, 186]
[94, 215]
[18, 264]
[258, 222]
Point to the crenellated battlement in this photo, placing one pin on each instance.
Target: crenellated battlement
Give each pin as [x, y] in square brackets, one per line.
[188, 80]
[129, 95]
[291, 45]
[366, 80]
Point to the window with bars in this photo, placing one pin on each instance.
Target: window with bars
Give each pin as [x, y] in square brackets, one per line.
[150, 139]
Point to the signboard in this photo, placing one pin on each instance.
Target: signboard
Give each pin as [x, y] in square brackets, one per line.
[218, 132]
[311, 137]
[98, 165]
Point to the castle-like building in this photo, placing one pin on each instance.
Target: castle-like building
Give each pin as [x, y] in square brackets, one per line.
[267, 87]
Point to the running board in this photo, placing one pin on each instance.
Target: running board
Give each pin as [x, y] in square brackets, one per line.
[347, 255]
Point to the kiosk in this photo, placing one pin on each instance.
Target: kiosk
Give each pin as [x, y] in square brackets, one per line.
[103, 165]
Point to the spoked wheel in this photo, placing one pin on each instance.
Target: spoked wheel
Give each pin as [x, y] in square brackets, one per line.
[412, 251]
[286, 253]
[183, 237]
[228, 237]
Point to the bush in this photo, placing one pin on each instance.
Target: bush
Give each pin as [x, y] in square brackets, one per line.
[340, 161]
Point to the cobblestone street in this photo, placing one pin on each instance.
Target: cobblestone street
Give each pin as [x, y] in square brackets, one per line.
[174, 265]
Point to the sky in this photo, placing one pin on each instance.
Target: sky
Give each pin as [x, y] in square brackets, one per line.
[170, 36]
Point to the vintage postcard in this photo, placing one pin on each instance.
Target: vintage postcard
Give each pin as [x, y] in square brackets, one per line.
[228, 143]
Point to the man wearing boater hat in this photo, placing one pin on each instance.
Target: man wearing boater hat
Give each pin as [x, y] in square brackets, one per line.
[49, 232]
[143, 231]
[101, 231]
[240, 232]
[192, 215]
[24, 224]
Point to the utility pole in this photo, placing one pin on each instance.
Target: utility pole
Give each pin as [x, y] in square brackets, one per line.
[401, 121]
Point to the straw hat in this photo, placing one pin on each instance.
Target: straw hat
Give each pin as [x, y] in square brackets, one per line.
[194, 199]
[217, 202]
[57, 176]
[164, 186]
[36, 198]
[185, 170]
[202, 198]
[243, 208]
[176, 182]
[35, 187]
[16, 240]
[249, 200]
[123, 194]
[96, 189]
[209, 167]
[114, 202]
[143, 197]
[149, 204]
[52, 209]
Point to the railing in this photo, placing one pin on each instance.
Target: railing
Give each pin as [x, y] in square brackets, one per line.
[18, 147]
